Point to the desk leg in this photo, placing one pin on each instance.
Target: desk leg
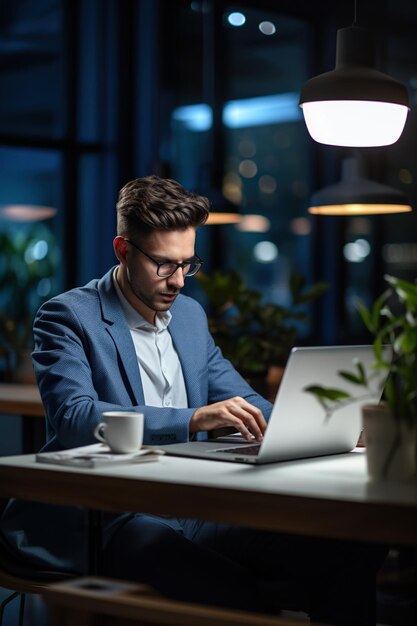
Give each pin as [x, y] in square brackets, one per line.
[94, 542]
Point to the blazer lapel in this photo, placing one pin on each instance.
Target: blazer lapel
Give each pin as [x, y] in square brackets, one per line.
[118, 330]
[187, 346]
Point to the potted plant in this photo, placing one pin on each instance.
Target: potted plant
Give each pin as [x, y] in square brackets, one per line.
[390, 426]
[27, 266]
[256, 337]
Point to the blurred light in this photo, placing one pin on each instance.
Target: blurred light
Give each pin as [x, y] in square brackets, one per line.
[200, 6]
[44, 287]
[267, 184]
[359, 226]
[254, 224]
[231, 188]
[236, 19]
[248, 112]
[232, 192]
[402, 255]
[265, 252]
[300, 226]
[216, 218]
[356, 251]
[36, 251]
[267, 28]
[198, 117]
[263, 110]
[248, 168]
[26, 212]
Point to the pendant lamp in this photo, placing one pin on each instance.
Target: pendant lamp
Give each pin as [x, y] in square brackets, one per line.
[26, 212]
[216, 217]
[357, 195]
[354, 105]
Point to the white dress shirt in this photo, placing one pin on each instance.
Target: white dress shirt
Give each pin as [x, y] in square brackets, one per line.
[160, 368]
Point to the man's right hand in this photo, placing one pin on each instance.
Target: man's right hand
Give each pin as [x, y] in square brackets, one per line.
[236, 412]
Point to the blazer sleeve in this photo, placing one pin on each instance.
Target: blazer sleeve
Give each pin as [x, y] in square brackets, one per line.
[209, 376]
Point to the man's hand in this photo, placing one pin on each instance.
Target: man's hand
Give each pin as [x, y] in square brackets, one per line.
[236, 412]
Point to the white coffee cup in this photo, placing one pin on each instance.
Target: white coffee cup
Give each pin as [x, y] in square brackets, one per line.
[122, 431]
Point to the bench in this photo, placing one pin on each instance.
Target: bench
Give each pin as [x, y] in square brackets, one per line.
[91, 601]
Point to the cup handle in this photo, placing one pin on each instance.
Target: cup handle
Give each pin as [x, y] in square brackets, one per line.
[99, 432]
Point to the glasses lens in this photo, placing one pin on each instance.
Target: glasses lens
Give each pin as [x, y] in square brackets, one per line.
[192, 268]
[167, 269]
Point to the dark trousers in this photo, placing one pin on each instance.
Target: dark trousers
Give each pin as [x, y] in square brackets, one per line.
[224, 565]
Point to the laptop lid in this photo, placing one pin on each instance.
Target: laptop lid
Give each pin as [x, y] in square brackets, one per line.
[298, 427]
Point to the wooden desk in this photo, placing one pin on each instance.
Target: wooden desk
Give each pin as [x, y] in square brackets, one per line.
[20, 399]
[24, 400]
[327, 497]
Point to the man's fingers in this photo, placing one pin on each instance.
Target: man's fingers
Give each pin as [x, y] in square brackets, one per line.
[251, 418]
[236, 412]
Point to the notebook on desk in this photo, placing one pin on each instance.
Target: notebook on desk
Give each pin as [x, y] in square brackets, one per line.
[297, 427]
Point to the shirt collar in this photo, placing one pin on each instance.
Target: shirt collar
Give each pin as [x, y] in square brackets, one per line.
[134, 319]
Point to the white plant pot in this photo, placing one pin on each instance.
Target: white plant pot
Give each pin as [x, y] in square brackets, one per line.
[390, 444]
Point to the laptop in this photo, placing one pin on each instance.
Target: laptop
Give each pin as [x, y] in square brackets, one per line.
[297, 427]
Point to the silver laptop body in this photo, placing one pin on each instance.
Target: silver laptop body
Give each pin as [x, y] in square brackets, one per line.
[297, 427]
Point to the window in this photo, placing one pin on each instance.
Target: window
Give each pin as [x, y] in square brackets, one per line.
[245, 113]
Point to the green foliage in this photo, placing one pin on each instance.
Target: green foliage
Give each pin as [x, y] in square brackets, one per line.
[392, 321]
[22, 268]
[251, 334]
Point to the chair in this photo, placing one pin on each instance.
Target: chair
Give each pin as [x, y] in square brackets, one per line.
[22, 577]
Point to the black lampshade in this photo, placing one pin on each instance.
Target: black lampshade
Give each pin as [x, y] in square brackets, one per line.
[357, 195]
[354, 105]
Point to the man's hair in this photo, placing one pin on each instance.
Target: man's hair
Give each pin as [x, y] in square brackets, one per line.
[153, 203]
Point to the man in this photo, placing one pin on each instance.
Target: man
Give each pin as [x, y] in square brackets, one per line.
[115, 343]
[130, 340]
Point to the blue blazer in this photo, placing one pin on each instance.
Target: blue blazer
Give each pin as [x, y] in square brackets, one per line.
[85, 363]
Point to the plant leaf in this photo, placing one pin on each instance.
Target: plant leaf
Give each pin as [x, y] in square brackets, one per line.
[352, 378]
[327, 393]
[406, 290]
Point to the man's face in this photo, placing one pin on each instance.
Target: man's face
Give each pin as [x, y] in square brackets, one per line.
[149, 292]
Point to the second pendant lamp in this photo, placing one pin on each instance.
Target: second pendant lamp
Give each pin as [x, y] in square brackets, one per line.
[357, 195]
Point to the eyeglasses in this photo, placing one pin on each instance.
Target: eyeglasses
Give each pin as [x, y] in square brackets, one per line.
[165, 269]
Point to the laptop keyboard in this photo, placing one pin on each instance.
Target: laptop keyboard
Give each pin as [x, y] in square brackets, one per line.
[246, 450]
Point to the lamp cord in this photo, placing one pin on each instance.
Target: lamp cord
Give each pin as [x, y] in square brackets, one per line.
[355, 13]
